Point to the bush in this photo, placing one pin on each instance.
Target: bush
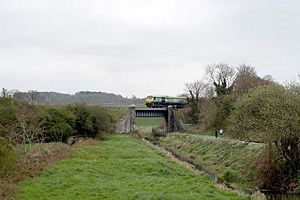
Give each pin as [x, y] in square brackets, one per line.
[228, 176]
[56, 122]
[271, 114]
[225, 105]
[23, 122]
[8, 111]
[7, 157]
[91, 120]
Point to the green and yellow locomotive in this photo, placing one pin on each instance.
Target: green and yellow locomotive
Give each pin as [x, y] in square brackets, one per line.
[165, 101]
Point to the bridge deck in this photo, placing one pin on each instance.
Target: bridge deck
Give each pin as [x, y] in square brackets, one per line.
[151, 112]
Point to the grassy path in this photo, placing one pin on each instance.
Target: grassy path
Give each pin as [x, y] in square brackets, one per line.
[121, 167]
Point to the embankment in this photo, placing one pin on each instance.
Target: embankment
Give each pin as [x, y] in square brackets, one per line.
[233, 162]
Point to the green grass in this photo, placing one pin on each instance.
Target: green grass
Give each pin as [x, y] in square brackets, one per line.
[231, 160]
[120, 167]
[149, 121]
[211, 133]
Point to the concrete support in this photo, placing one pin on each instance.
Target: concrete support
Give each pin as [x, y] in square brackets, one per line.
[169, 119]
[173, 123]
[132, 117]
[123, 126]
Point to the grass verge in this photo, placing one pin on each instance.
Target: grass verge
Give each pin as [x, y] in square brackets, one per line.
[120, 167]
[232, 161]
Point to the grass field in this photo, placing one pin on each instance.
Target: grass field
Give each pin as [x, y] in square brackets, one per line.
[120, 167]
[149, 122]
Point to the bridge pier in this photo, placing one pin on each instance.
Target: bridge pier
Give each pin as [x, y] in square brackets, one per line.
[132, 115]
[168, 119]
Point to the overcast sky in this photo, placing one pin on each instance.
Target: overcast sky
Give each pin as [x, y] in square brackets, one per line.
[142, 47]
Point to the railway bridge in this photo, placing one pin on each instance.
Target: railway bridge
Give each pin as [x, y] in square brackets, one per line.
[172, 123]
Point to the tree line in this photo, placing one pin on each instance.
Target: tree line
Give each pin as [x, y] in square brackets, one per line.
[27, 122]
[251, 108]
[87, 97]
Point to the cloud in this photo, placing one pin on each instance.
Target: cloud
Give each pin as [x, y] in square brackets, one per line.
[141, 47]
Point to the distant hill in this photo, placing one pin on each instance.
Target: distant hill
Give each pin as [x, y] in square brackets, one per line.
[60, 99]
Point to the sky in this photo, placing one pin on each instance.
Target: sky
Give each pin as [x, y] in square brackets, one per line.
[142, 47]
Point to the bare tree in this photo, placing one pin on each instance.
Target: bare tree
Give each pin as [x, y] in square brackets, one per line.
[27, 132]
[194, 92]
[31, 96]
[34, 97]
[5, 93]
[247, 79]
[222, 77]
[246, 71]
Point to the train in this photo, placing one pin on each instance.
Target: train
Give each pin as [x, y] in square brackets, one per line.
[165, 101]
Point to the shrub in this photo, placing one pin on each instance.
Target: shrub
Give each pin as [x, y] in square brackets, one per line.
[56, 122]
[8, 111]
[228, 176]
[225, 105]
[91, 120]
[7, 157]
[269, 111]
[272, 114]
